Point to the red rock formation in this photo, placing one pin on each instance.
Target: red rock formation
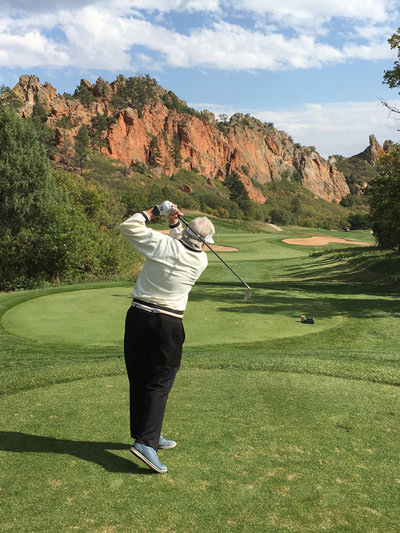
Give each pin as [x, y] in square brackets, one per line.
[372, 152]
[256, 151]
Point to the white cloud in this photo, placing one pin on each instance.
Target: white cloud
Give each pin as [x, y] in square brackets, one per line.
[333, 128]
[313, 12]
[40, 6]
[100, 35]
[29, 49]
[231, 47]
[337, 128]
[174, 5]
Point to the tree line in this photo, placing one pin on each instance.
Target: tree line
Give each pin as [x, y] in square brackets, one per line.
[55, 226]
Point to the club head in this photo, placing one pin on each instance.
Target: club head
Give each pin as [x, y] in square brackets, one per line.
[247, 296]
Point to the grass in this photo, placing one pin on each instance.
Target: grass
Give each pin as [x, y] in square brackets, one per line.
[280, 426]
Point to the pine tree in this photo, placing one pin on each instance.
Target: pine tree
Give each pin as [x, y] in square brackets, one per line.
[176, 150]
[9, 99]
[154, 154]
[82, 149]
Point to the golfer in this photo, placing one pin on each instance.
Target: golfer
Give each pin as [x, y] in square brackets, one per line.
[154, 332]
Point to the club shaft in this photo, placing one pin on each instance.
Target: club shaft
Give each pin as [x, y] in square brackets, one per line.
[214, 252]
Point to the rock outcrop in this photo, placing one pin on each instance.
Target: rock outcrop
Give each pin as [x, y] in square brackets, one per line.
[256, 151]
[372, 152]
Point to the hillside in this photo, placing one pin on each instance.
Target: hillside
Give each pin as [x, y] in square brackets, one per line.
[135, 121]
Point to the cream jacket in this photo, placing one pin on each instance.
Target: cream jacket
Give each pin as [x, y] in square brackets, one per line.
[170, 269]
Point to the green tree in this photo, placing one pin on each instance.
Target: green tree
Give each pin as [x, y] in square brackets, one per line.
[66, 155]
[45, 133]
[24, 171]
[99, 124]
[154, 154]
[384, 198]
[27, 197]
[118, 103]
[281, 216]
[384, 191]
[85, 96]
[65, 122]
[82, 149]
[392, 77]
[295, 205]
[359, 221]
[136, 91]
[54, 225]
[238, 193]
[9, 99]
[176, 150]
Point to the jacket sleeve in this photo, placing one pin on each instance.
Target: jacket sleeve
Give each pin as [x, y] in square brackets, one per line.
[142, 238]
[175, 231]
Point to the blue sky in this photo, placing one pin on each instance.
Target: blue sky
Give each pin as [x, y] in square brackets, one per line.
[312, 68]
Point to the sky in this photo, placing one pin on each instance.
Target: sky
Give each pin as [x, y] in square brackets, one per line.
[313, 68]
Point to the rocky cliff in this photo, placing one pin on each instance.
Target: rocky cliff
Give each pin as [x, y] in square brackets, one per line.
[374, 150]
[255, 150]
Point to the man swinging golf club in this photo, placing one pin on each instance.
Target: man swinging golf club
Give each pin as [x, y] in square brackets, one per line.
[154, 333]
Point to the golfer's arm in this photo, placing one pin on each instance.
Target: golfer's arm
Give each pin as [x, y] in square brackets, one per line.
[175, 230]
[136, 232]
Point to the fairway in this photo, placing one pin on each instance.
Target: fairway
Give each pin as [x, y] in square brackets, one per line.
[281, 426]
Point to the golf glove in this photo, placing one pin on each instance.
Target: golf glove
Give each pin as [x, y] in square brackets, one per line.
[164, 209]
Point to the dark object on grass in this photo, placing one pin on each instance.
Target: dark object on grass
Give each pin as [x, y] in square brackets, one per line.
[305, 320]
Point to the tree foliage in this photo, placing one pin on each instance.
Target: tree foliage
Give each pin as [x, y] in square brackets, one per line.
[24, 172]
[238, 193]
[54, 225]
[85, 96]
[384, 191]
[99, 125]
[9, 99]
[392, 77]
[384, 198]
[176, 150]
[153, 152]
[45, 133]
[82, 149]
[136, 92]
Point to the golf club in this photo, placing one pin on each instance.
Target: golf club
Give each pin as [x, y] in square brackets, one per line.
[247, 296]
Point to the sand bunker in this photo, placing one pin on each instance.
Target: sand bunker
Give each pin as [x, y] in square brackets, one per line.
[318, 240]
[220, 248]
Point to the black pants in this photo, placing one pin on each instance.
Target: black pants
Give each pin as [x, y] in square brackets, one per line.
[153, 349]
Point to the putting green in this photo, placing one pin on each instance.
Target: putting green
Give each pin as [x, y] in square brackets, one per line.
[215, 315]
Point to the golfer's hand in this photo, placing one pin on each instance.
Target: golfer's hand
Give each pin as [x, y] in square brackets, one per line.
[174, 214]
[165, 208]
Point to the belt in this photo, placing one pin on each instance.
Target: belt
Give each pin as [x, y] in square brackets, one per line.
[156, 308]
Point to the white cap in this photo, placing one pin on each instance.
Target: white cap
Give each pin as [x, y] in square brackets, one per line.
[209, 238]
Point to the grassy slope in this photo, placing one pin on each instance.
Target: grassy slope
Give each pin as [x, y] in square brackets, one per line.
[289, 434]
[309, 210]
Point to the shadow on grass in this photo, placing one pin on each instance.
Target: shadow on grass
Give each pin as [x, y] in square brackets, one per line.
[94, 452]
[320, 291]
